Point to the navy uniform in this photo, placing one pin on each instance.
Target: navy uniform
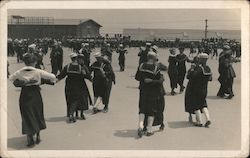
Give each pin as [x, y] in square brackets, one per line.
[143, 54]
[75, 93]
[121, 57]
[195, 97]
[86, 52]
[150, 93]
[56, 58]
[227, 75]
[173, 71]
[181, 67]
[31, 103]
[107, 51]
[102, 80]
[39, 62]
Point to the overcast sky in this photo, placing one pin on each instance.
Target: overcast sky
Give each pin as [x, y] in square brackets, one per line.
[113, 21]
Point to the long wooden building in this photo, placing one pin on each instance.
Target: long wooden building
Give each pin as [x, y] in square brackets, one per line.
[38, 27]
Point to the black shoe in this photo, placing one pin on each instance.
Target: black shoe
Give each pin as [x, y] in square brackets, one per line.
[207, 124]
[198, 124]
[95, 110]
[72, 119]
[182, 89]
[83, 117]
[38, 140]
[105, 110]
[31, 142]
[144, 129]
[172, 93]
[162, 127]
[149, 134]
[230, 96]
[140, 132]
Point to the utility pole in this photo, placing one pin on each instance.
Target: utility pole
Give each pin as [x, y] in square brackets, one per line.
[206, 29]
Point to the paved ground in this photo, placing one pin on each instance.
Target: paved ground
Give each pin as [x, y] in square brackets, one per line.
[117, 129]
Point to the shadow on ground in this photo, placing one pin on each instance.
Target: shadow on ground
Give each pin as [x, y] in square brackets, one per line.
[57, 119]
[213, 97]
[17, 143]
[130, 133]
[179, 124]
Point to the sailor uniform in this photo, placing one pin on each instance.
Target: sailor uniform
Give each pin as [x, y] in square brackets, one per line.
[102, 80]
[75, 90]
[143, 56]
[196, 92]
[30, 102]
[56, 57]
[121, 58]
[149, 92]
[173, 71]
[181, 67]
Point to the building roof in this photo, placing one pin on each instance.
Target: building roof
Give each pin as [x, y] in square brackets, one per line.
[73, 21]
[46, 21]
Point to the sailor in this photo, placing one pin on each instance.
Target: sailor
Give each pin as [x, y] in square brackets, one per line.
[181, 67]
[227, 73]
[172, 70]
[222, 57]
[106, 50]
[75, 93]
[85, 50]
[102, 81]
[39, 56]
[195, 98]
[122, 51]
[150, 78]
[81, 60]
[143, 53]
[31, 105]
[56, 58]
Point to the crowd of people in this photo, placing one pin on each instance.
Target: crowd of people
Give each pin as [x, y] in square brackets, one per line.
[100, 73]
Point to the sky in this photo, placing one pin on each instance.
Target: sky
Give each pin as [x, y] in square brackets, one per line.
[115, 20]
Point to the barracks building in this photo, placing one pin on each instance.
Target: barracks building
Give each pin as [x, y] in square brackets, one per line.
[39, 27]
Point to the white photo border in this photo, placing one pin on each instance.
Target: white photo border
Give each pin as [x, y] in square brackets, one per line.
[243, 5]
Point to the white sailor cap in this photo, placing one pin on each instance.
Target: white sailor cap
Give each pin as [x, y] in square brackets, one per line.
[152, 54]
[33, 46]
[72, 55]
[203, 56]
[121, 45]
[105, 57]
[81, 55]
[226, 46]
[148, 44]
[108, 44]
[97, 54]
[86, 44]
[83, 44]
[155, 47]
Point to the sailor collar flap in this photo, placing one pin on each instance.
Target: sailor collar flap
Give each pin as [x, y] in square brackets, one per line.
[206, 70]
[154, 72]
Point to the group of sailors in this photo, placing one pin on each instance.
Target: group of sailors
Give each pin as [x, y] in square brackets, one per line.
[100, 73]
[151, 101]
[77, 93]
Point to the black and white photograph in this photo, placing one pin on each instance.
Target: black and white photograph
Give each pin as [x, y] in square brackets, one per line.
[107, 80]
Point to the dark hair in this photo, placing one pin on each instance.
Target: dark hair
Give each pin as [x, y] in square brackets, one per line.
[29, 59]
